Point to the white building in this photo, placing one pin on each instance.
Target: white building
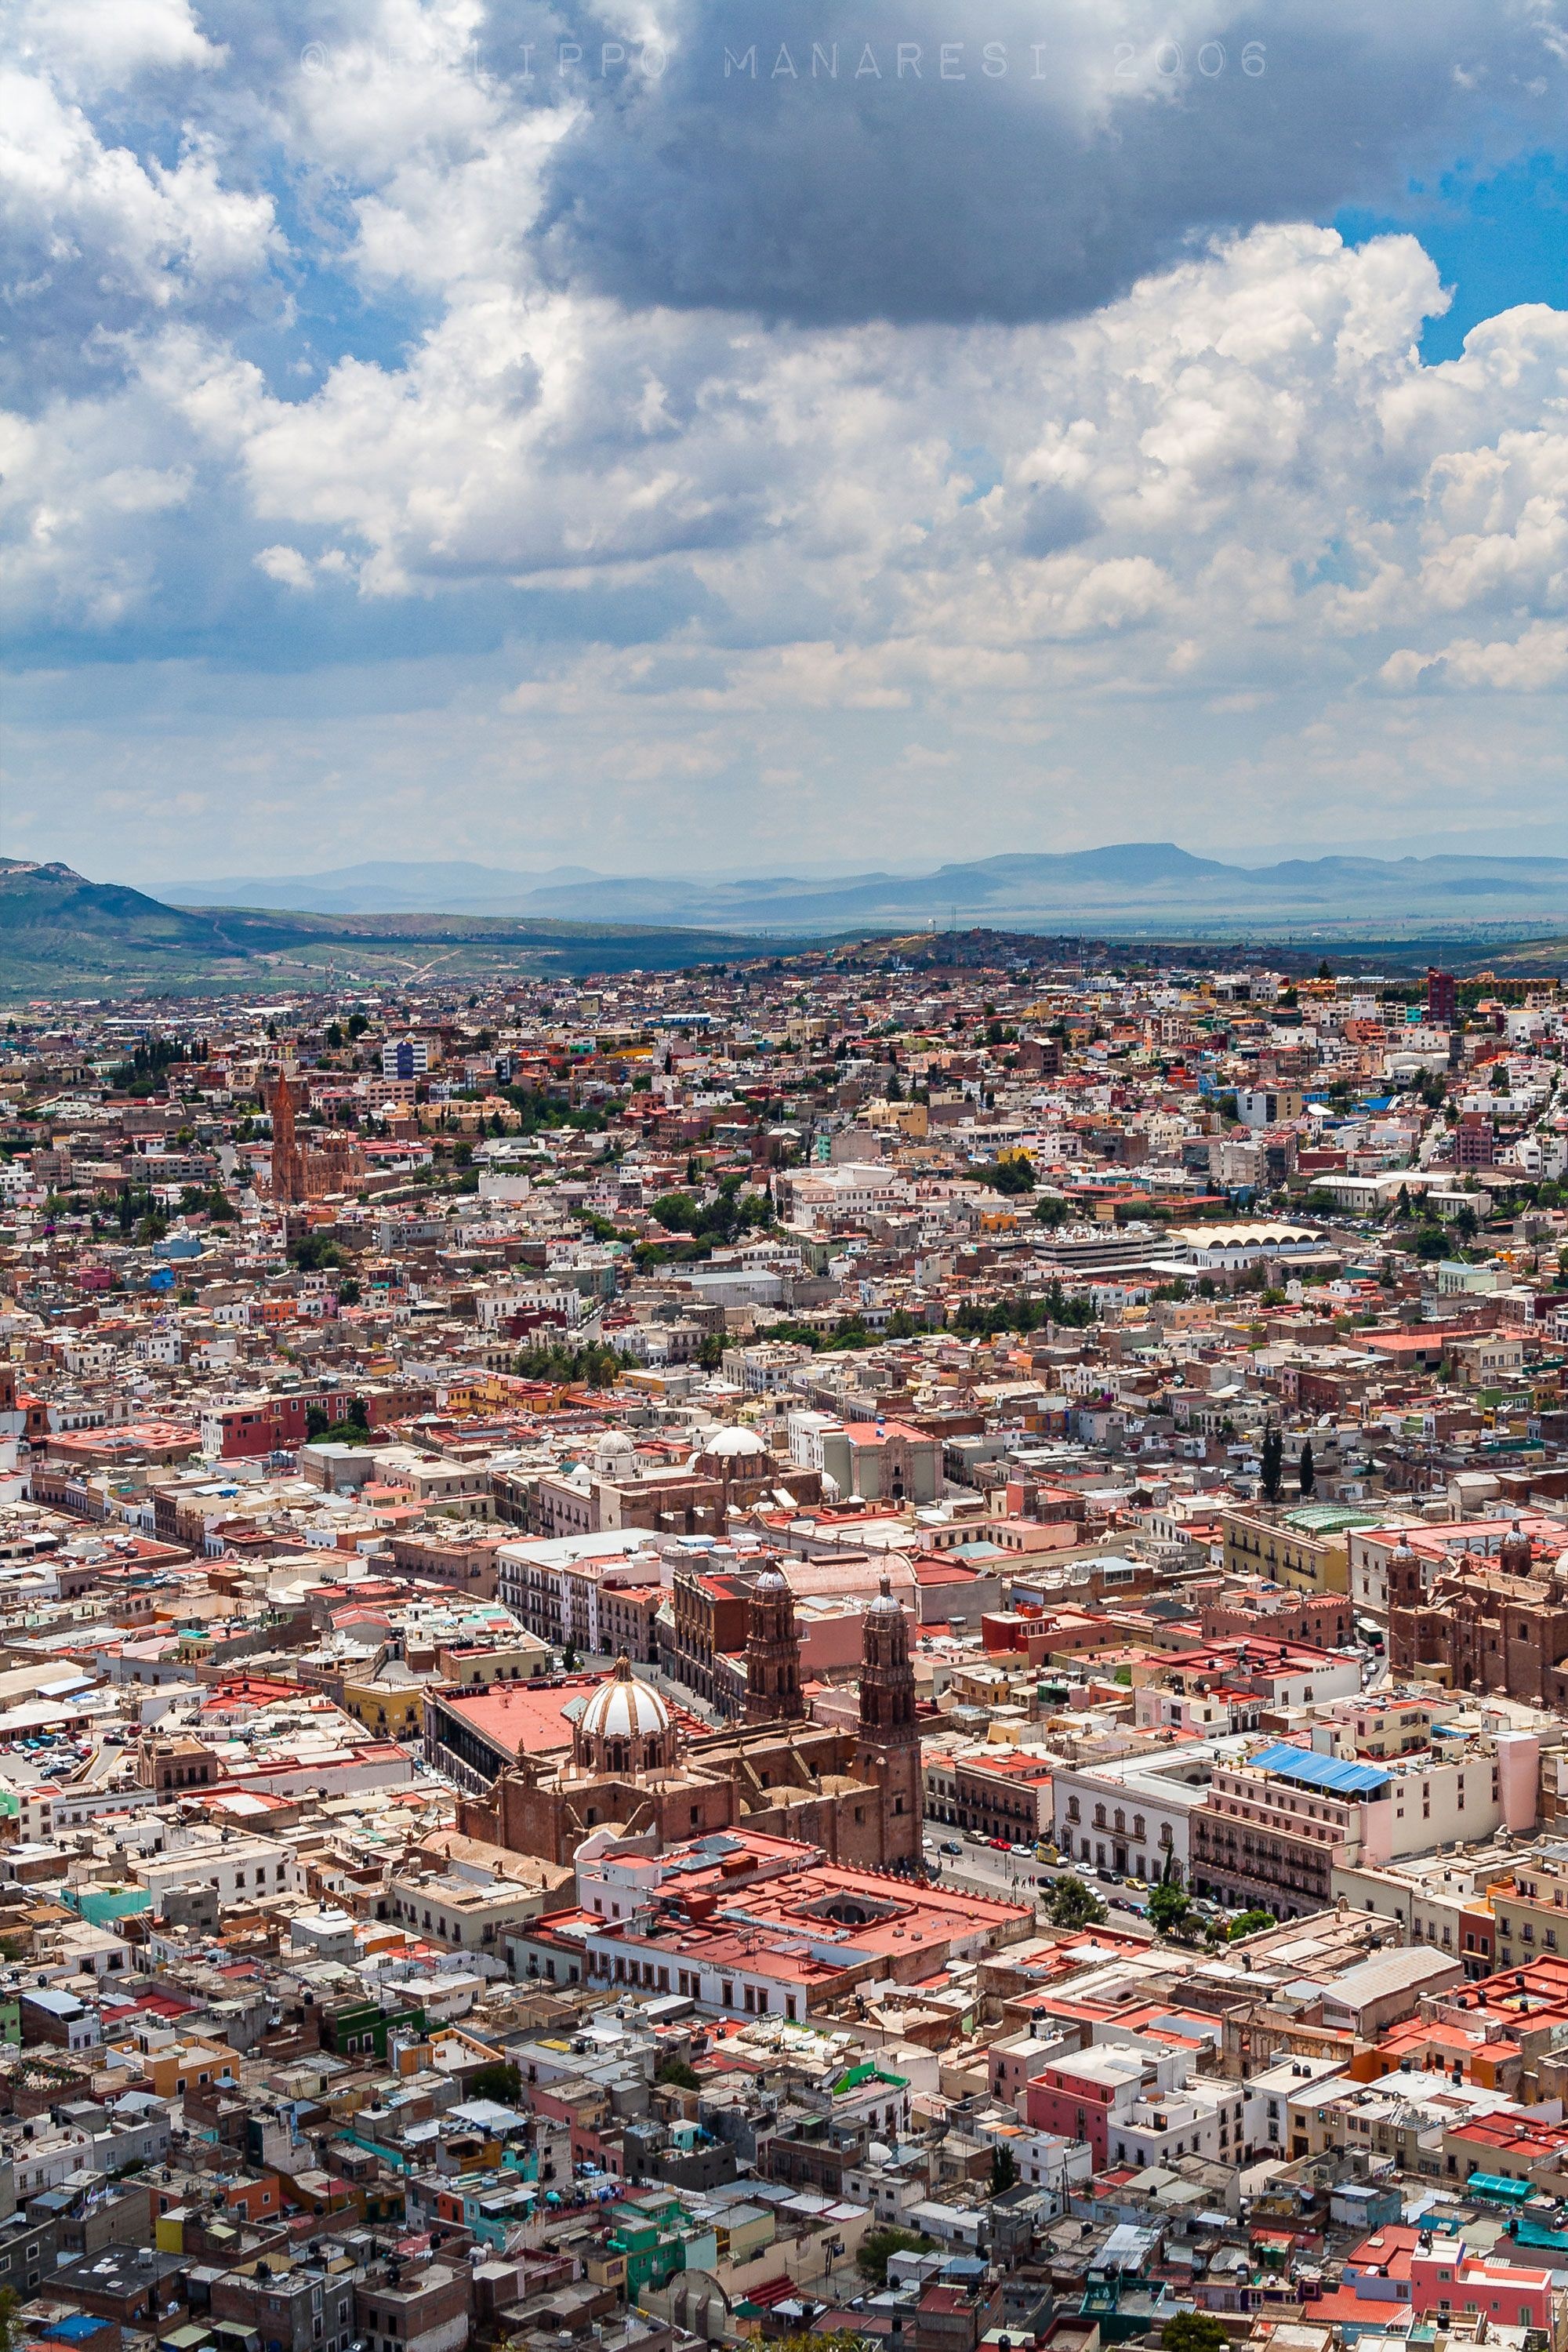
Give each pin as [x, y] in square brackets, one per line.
[1133, 1816]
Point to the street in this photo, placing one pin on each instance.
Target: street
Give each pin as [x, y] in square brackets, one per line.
[1010, 1875]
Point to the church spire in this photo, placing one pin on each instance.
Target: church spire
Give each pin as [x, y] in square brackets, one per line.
[772, 1653]
[887, 1673]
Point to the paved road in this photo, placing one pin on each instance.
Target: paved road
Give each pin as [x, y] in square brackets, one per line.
[1009, 1874]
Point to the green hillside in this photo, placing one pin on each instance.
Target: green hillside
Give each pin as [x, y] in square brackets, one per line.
[60, 933]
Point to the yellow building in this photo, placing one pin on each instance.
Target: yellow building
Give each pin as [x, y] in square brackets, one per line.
[395, 1709]
[1307, 1549]
[189, 2066]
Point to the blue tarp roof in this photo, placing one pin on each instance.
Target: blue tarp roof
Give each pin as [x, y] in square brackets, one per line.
[1332, 1772]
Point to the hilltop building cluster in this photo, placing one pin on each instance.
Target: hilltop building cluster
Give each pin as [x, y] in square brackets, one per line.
[866, 1646]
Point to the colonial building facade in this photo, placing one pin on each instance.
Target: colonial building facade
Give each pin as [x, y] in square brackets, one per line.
[1489, 1622]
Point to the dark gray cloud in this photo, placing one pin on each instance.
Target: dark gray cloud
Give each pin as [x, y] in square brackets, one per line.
[1054, 518]
[1038, 191]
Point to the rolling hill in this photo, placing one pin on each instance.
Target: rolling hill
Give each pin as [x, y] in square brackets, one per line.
[59, 932]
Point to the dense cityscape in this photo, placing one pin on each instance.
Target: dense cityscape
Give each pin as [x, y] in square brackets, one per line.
[868, 1646]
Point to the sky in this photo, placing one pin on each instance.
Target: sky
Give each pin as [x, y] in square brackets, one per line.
[682, 435]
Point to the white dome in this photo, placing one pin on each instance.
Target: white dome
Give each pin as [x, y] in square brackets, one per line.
[727, 1444]
[624, 1708]
[771, 1581]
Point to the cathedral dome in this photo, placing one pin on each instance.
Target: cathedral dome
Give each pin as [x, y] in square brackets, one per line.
[731, 1442]
[624, 1708]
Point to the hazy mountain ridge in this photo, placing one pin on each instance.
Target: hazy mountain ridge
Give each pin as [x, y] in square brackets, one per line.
[1126, 881]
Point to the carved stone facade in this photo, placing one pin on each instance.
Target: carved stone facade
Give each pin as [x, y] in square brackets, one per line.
[856, 1793]
[306, 1167]
[1489, 1622]
[773, 1654]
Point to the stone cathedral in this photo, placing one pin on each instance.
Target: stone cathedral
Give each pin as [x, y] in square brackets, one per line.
[858, 1793]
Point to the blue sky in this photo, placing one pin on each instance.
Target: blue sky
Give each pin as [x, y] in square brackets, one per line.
[1498, 240]
[443, 428]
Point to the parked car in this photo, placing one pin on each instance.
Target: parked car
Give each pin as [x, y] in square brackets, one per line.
[949, 1845]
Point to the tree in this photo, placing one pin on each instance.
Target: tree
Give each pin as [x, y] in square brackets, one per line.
[873, 2255]
[502, 2082]
[1003, 2169]
[1249, 1923]
[1273, 1462]
[676, 2072]
[313, 1253]
[1306, 1472]
[569, 1660]
[595, 1366]
[1193, 2331]
[1052, 1210]
[1074, 1905]
[1013, 1175]
[1168, 1907]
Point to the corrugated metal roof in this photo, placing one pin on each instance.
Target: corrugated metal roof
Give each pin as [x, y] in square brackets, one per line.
[1332, 1772]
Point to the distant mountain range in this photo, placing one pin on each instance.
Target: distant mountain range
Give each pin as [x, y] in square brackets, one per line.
[397, 923]
[1139, 882]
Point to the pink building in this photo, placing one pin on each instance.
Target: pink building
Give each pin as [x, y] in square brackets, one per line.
[1079, 2097]
[1432, 2274]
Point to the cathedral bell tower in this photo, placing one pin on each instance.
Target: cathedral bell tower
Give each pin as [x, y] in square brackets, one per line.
[773, 1654]
[889, 1739]
[287, 1171]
